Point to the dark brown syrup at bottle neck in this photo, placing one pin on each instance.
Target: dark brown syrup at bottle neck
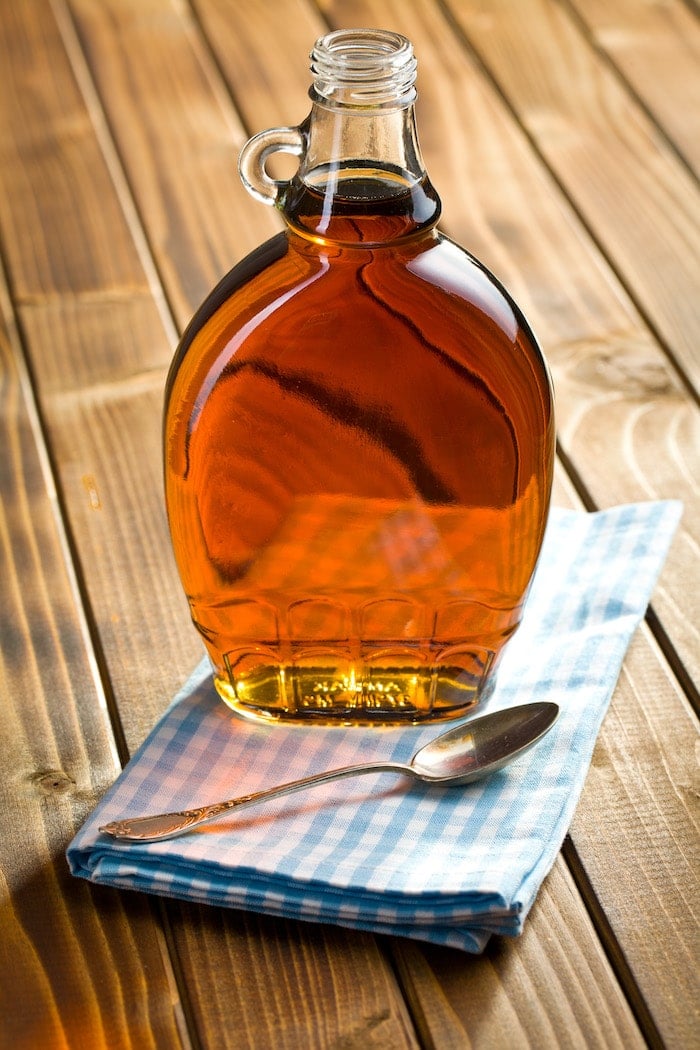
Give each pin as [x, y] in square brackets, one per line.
[362, 206]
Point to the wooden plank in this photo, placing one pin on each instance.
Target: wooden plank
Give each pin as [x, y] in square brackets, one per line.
[633, 434]
[72, 959]
[103, 410]
[505, 997]
[253, 72]
[54, 179]
[656, 47]
[98, 355]
[178, 135]
[290, 985]
[641, 204]
[637, 834]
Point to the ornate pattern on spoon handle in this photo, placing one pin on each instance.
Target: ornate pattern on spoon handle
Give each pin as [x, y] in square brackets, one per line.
[167, 825]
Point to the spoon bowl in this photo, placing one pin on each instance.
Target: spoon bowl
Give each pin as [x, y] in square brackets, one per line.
[483, 745]
[464, 753]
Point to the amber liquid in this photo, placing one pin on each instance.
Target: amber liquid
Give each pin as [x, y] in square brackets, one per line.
[358, 450]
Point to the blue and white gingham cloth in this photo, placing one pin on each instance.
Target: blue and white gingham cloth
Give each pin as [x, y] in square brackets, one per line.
[382, 853]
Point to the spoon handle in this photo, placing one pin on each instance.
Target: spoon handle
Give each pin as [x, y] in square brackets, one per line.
[162, 826]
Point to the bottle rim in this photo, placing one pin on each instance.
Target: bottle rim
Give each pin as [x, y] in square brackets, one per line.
[364, 67]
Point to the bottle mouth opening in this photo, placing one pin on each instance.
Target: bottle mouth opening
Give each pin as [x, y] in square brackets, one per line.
[364, 67]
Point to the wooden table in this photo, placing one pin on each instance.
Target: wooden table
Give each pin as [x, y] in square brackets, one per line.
[565, 140]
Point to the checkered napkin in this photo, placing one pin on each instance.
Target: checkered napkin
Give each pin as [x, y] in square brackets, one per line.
[380, 852]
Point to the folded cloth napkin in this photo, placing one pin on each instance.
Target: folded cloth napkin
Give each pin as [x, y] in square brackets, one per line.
[382, 853]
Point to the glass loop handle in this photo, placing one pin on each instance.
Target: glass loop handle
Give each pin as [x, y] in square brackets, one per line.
[251, 162]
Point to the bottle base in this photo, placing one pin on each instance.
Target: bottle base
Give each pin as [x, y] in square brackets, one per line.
[388, 688]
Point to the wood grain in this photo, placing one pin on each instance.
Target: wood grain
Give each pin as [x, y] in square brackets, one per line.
[637, 831]
[506, 997]
[63, 226]
[178, 136]
[71, 958]
[260, 47]
[290, 985]
[103, 412]
[639, 202]
[656, 48]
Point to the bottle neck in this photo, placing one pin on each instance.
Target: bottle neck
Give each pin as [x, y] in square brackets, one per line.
[381, 138]
[361, 179]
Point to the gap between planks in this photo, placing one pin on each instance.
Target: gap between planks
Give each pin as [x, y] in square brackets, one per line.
[120, 181]
[611, 946]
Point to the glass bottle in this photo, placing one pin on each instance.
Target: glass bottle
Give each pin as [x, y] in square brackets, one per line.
[358, 429]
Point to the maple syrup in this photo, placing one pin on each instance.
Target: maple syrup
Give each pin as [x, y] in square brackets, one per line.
[358, 436]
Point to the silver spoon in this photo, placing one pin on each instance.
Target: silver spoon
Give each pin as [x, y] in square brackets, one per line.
[467, 752]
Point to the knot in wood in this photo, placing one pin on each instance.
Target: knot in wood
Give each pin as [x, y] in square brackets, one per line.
[53, 782]
[632, 370]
